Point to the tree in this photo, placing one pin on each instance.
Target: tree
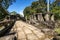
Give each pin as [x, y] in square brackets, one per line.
[6, 3]
[40, 6]
[36, 7]
[13, 13]
[26, 11]
[55, 8]
[34, 4]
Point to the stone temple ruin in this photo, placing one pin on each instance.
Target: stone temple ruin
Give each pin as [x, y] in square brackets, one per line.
[47, 18]
[39, 17]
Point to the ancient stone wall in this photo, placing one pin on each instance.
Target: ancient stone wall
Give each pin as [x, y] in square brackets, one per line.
[39, 17]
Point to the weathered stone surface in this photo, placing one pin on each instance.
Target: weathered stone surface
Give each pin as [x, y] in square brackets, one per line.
[47, 39]
[28, 32]
[47, 17]
[52, 18]
[40, 17]
[21, 35]
[10, 37]
[32, 37]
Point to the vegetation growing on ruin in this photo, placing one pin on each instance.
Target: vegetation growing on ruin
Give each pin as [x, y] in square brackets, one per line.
[40, 6]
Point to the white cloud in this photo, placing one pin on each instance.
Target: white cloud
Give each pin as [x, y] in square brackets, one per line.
[21, 13]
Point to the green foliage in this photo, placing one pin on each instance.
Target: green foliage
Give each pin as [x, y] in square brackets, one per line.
[42, 3]
[27, 11]
[57, 30]
[56, 10]
[36, 7]
[13, 13]
[40, 6]
[34, 4]
[6, 3]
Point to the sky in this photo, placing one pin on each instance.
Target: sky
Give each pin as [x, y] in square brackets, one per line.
[20, 5]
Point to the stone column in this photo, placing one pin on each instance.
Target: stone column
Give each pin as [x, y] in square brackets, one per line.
[29, 19]
[47, 17]
[52, 18]
[40, 17]
[34, 17]
[26, 18]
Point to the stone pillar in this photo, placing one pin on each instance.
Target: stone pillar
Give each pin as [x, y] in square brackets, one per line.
[52, 18]
[29, 19]
[47, 17]
[31, 16]
[40, 17]
[34, 17]
[26, 18]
